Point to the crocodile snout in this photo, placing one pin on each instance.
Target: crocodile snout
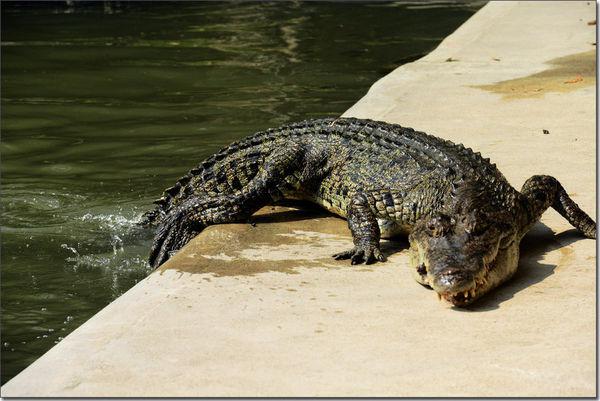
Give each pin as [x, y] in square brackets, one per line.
[453, 280]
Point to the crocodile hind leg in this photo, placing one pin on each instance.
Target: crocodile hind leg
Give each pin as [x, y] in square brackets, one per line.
[543, 191]
[185, 221]
[188, 220]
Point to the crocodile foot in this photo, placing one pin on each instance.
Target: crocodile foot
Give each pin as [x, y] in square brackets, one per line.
[359, 254]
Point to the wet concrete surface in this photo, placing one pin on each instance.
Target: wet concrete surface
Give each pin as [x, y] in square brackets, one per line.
[565, 74]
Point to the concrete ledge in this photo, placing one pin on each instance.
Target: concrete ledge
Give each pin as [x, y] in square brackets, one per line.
[264, 311]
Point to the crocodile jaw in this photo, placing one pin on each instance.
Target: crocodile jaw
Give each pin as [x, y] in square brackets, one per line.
[497, 269]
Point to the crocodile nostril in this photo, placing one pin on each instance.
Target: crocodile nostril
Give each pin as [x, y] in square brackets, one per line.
[453, 279]
[451, 271]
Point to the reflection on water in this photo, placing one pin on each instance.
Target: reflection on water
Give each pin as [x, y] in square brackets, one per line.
[106, 104]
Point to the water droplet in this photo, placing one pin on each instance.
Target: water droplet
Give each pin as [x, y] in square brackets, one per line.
[117, 244]
[70, 248]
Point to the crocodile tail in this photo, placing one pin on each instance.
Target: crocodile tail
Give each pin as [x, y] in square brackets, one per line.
[162, 204]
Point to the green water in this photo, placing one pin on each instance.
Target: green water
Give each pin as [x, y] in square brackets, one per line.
[104, 105]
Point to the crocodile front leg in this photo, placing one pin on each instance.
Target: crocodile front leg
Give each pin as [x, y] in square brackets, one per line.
[402, 207]
[543, 191]
[365, 232]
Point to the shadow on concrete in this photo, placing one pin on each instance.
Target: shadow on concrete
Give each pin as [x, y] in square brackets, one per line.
[394, 245]
[285, 216]
[539, 241]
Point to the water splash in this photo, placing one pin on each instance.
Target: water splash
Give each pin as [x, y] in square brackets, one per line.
[113, 222]
[117, 244]
[69, 248]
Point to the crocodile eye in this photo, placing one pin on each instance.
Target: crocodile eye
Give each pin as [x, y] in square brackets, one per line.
[477, 228]
[439, 225]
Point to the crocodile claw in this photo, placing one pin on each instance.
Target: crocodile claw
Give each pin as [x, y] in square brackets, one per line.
[359, 254]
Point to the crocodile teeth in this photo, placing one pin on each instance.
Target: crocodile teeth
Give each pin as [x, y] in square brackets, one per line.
[466, 294]
[480, 281]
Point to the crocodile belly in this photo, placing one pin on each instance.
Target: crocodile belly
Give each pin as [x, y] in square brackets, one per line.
[391, 228]
[334, 204]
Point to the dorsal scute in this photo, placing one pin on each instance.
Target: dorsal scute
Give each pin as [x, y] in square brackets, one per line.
[172, 191]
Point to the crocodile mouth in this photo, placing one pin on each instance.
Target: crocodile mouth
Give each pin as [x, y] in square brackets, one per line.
[465, 297]
[496, 269]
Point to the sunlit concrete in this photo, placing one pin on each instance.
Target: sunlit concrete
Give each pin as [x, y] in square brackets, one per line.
[264, 311]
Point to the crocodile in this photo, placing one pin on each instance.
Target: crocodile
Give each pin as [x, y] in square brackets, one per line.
[463, 219]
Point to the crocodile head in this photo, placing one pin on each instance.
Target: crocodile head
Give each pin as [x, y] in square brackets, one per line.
[466, 249]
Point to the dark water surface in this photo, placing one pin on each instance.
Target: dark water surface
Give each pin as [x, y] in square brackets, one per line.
[103, 106]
